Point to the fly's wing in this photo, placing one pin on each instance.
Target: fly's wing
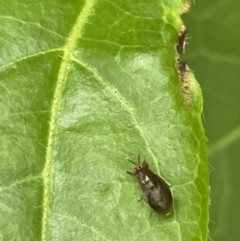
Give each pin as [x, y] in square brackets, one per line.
[159, 197]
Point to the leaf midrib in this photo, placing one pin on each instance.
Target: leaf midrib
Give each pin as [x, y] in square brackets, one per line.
[71, 42]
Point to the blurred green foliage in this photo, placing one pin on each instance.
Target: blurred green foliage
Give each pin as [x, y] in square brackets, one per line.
[213, 53]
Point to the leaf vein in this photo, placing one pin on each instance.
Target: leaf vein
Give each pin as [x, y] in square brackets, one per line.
[28, 57]
[124, 103]
[82, 224]
[68, 50]
[18, 182]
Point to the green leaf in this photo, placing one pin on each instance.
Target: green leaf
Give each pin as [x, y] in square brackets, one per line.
[83, 87]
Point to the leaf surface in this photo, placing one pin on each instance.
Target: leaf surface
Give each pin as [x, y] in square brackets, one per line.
[83, 87]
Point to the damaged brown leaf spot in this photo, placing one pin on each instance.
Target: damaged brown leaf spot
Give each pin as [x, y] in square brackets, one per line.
[187, 6]
[181, 40]
[180, 45]
[185, 89]
[182, 65]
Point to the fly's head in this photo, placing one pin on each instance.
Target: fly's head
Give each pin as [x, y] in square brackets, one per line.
[139, 167]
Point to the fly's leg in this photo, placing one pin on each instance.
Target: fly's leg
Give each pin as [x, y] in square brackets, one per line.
[130, 173]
